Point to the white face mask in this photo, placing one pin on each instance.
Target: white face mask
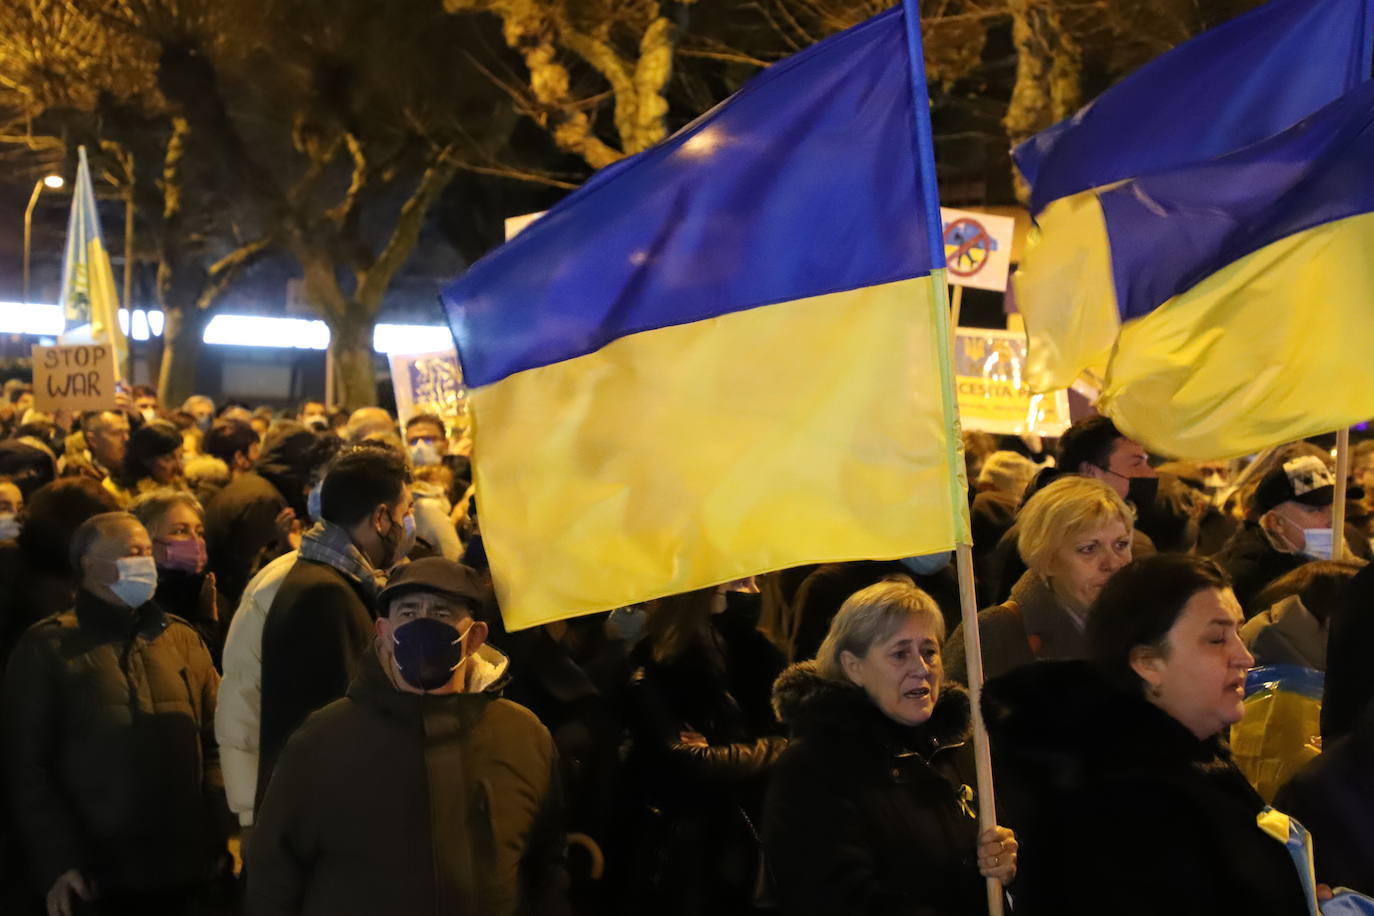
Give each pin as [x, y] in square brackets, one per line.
[9, 526]
[137, 580]
[1319, 543]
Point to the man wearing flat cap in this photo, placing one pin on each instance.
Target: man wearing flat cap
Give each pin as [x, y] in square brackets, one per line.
[421, 791]
[1291, 509]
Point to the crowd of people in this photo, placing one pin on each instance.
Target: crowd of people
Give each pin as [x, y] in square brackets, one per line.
[253, 662]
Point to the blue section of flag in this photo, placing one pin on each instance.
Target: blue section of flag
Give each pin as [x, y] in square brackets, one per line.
[805, 182]
[1169, 231]
[1227, 88]
[83, 225]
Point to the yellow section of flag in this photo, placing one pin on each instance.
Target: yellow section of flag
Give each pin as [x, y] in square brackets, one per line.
[1280, 339]
[675, 459]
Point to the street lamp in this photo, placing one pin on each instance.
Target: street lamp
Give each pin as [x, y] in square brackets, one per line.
[48, 181]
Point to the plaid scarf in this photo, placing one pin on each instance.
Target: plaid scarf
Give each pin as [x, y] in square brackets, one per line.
[329, 544]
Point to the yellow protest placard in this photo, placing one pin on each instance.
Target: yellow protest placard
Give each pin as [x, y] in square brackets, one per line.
[989, 369]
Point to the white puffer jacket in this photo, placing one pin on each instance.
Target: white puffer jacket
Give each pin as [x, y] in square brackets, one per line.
[239, 713]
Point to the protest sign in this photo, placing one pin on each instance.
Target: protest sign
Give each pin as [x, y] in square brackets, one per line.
[977, 248]
[989, 368]
[430, 383]
[74, 377]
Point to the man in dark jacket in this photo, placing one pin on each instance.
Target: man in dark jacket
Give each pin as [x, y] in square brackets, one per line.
[245, 523]
[1292, 512]
[422, 792]
[101, 446]
[320, 624]
[113, 774]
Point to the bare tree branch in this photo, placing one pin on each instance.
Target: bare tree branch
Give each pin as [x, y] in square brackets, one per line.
[226, 270]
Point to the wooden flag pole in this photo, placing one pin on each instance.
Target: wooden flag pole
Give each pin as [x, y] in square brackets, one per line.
[968, 602]
[982, 757]
[1338, 551]
[955, 307]
[973, 651]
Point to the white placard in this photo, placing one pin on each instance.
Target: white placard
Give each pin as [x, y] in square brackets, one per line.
[977, 248]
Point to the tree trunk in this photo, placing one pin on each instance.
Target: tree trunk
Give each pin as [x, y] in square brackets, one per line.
[1048, 73]
[182, 331]
[354, 373]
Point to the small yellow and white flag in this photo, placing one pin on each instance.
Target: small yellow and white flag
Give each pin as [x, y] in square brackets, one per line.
[90, 306]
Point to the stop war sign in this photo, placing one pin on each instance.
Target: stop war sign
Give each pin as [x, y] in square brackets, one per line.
[74, 377]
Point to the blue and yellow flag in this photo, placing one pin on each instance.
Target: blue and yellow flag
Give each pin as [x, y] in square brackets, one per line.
[1231, 86]
[1298, 842]
[1238, 289]
[88, 288]
[1235, 85]
[726, 355]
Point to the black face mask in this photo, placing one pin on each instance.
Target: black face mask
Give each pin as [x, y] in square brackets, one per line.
[742, 611]
[1142, 491]
[427, 652]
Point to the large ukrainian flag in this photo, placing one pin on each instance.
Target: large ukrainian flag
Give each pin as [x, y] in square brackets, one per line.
[1229, 87]
[1240, 288]
[726, 355]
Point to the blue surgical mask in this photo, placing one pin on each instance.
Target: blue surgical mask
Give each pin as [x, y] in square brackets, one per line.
[9, 526]
[424, 454]
[137, 580]
[927, 565]
[1318, 543]
[427, 652]
[627, 623]
[312, 503]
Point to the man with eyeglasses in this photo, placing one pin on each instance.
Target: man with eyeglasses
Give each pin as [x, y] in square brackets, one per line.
[106, 437]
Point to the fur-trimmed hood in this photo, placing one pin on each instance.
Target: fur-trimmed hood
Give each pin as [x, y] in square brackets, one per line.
[809, 703]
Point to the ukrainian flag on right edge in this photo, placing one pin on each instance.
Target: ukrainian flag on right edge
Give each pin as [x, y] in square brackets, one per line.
[1231, 86]
[1244, 288]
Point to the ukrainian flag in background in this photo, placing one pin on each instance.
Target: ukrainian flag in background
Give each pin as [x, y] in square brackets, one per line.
[88, 288]
[1232, 86]
[726, 355]
[1244, 288]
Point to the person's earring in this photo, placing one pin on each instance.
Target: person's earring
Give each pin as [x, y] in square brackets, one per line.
[1156, 691]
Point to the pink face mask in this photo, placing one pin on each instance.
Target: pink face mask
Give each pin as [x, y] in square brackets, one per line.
[187, 555]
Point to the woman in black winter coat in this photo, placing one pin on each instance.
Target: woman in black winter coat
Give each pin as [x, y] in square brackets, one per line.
[1114, 772]
[703, 738]
[869, 811]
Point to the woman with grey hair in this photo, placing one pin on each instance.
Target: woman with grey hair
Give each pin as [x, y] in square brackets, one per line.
[869, 809]
[176, 525]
